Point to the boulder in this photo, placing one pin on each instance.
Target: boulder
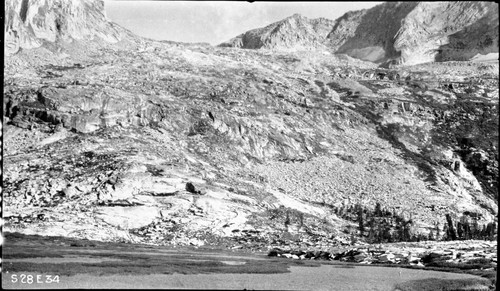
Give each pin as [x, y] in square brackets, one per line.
[196, 242]
[309, 255]
[387, 258]
[436, 256]
[360, 257]
[324, 255]
[274, 252]
[413, 260]
[297, 253]
[128, 217]
[191, 188]
[70, 191]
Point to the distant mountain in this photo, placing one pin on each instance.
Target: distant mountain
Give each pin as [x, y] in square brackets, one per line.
[30, 23]
[294, 32]
[409, 32]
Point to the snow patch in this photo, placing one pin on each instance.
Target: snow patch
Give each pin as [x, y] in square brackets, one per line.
[488, 58]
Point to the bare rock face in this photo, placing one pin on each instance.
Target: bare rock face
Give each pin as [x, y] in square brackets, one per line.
[446, 29]
[345, 28]
[29, 23]
[407, 32]
[294, 32]
[481, 37]
[128, 217]
[371, 32]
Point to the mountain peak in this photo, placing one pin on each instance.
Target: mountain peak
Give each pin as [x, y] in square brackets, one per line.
[296, 16]
[293, 32]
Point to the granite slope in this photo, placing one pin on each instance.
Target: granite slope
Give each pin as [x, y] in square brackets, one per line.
[169, 143]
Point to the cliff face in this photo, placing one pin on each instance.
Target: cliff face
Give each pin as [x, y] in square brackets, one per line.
[447, 31]
[481, 37]
[29, 23]
[410, 32]
[373, 36]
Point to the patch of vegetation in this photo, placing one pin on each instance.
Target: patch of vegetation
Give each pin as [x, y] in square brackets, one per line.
[488, 273]
[143, 264]
[471, 265]
[130, 259]
[30, 254]
[434, 284]
[380, 225]
[285, 215]
[468, 228]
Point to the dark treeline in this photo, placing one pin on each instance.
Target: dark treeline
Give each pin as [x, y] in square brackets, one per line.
[380, 225]
[468, 228]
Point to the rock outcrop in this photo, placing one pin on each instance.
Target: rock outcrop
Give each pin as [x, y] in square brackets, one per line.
[480, 253]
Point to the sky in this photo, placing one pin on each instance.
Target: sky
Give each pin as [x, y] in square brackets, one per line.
[214, 21]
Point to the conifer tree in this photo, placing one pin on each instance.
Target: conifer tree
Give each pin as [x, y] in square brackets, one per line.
[360, 221]
[446, 232]
[460, 230]
[431, 235]
[484, 232]
[475, 229]
[378, 210]
[451, 229]
[466, 231]
[387, 234]
[371, 235]
[406, 232]
[438, 231]
[401, 233]
[287, 219]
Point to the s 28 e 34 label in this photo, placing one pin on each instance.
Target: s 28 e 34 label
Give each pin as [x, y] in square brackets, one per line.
[34, 279]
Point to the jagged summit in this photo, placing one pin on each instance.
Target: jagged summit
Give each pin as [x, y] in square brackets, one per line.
[295, 15]
[293, 32]
[30, 23]
[409, 32]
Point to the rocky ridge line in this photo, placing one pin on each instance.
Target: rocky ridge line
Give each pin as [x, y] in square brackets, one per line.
[403, 32]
